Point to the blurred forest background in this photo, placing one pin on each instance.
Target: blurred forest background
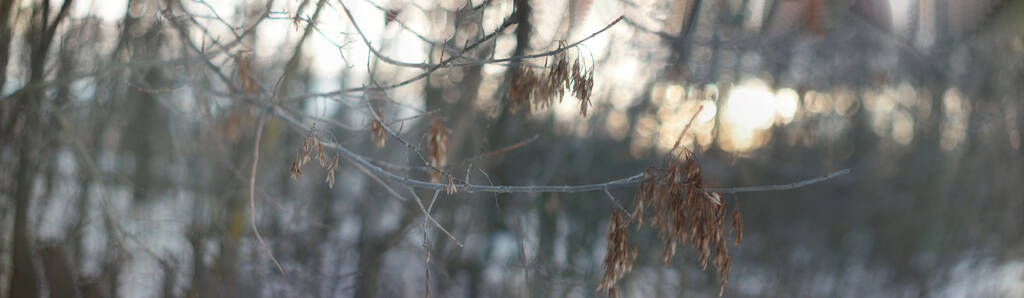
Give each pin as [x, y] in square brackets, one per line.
[129, 130]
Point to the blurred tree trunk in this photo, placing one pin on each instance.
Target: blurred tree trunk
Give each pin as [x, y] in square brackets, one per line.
[27, 131]
[682, 45]
[196, 237]
[769, 18]
[326, 222]
[523, 11]
[295, 64]
[144, 132]
[59, 273]
[114, 257]
[506, 124]
[23, 276]
[463, 130]
[7, 23]
[372, 249]
[170, 278]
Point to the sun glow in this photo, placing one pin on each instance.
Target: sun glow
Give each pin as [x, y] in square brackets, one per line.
[750, 109]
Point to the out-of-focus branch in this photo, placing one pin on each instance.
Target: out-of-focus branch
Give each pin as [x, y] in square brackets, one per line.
[252, 192]
[448, 62]
[505, 24]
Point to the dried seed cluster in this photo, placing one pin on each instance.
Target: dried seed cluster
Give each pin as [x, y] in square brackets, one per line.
[619, 258]
[530, 90]
[582, 86]
[680, 211]
[312, 145]
[437, 147]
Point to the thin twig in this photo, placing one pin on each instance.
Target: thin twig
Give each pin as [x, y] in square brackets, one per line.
[252, 192]
[497, 208]
[426, 244]
[432, 201]
[779, 186]
[616, 202]
[380, 55]
[458, 53]
[685, 129]
[503, 150]
[414, 117]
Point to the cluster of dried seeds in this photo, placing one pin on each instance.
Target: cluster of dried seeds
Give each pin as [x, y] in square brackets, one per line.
[312, 145]
[530, 90]
[582, 86]
[619, 258]
[680, 210]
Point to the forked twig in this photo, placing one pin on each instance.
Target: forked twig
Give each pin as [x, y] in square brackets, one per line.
[426, 213]
[616, 202]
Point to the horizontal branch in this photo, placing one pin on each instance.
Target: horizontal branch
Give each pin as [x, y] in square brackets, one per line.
[613, 184]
